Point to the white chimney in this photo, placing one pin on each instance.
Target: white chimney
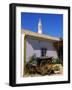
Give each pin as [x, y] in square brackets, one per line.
[39, 26]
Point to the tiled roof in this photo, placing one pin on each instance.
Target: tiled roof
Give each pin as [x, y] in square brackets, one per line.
[37, 35]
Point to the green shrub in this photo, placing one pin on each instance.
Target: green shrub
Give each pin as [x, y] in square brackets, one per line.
[33, 59]
[57, 61]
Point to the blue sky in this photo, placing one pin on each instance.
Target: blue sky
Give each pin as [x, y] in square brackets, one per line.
[52, 24]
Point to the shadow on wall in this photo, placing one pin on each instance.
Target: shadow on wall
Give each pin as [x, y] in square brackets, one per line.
[38, 44]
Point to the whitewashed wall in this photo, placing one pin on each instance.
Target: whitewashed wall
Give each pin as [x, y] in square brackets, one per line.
[33, 46]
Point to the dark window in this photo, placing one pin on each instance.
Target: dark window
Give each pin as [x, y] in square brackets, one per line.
[43, 51]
